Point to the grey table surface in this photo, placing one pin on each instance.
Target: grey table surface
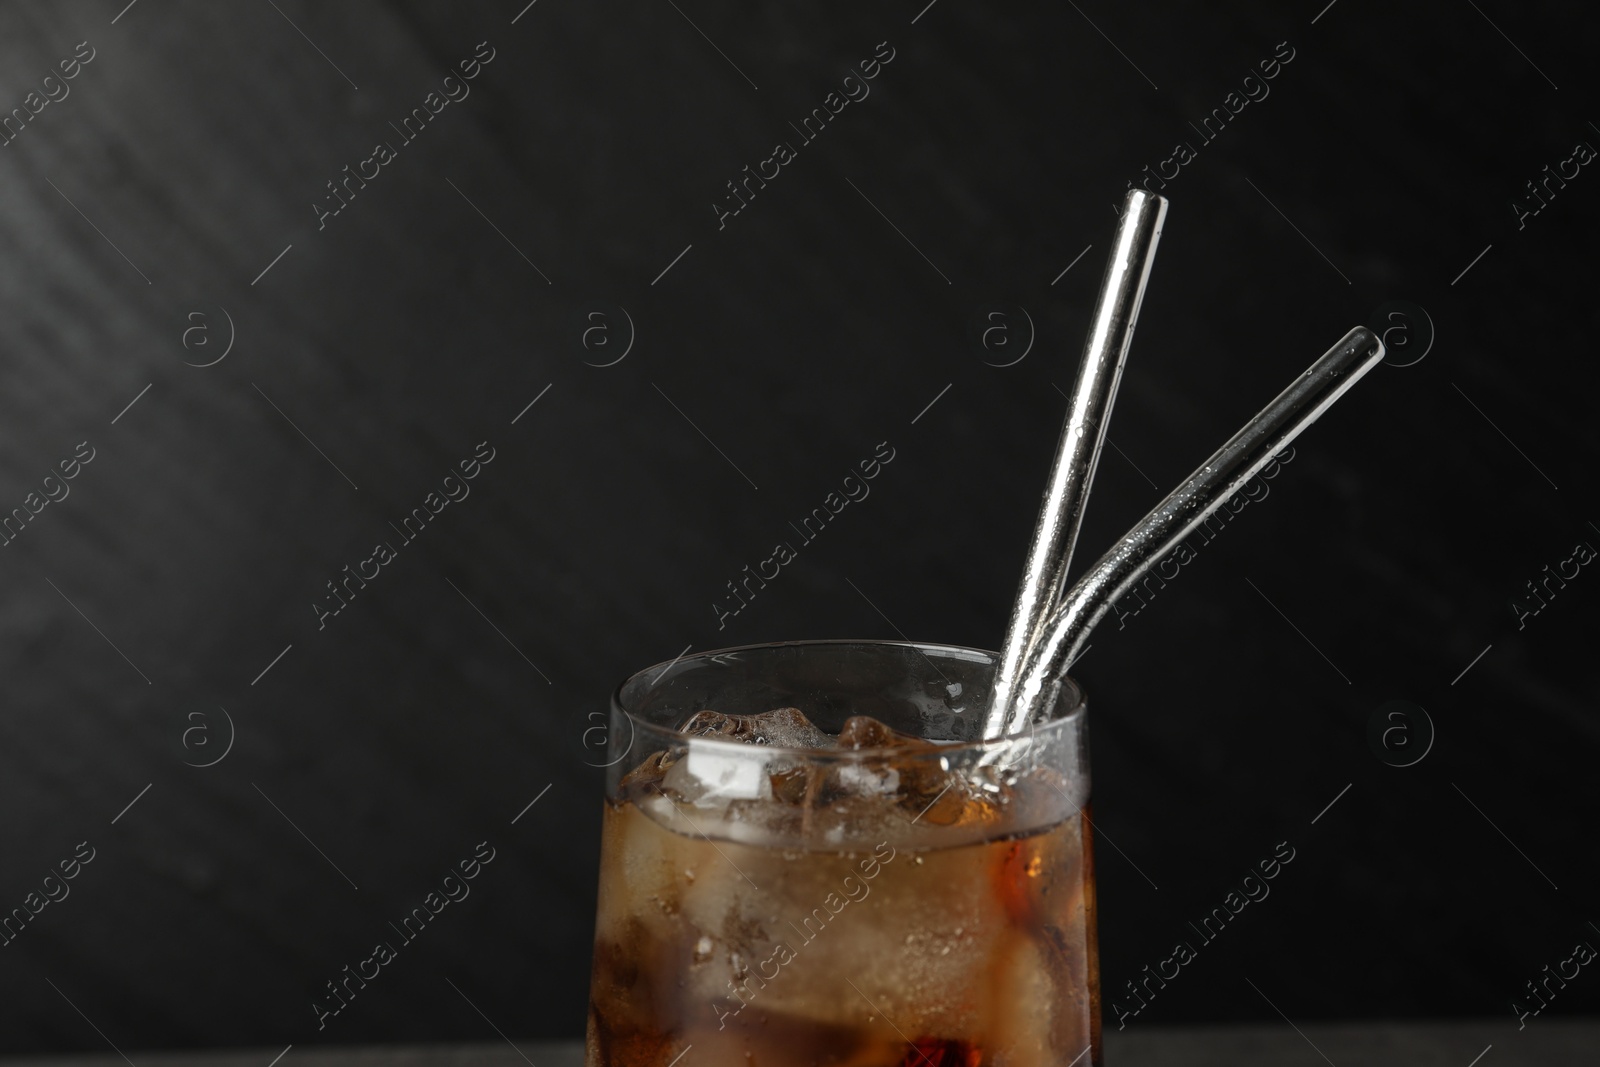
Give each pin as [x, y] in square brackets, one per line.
[1496, 1043]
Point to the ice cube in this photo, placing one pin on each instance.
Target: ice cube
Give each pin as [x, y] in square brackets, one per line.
[795, 784]
[785, 727]
[708, 776]
[863, 731]
[879, 773]
[910, 771]
[647, 777]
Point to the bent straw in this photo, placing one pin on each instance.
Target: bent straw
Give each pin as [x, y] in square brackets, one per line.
[1082, 437]
[1183, 510]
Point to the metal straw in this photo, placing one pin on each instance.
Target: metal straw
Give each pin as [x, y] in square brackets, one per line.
[1184, 509]
[1082, 437]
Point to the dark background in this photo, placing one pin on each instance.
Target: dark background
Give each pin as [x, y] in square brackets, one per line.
[425, 717]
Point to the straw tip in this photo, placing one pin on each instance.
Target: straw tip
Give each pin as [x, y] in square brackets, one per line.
[1366, 340]
[1138, 196]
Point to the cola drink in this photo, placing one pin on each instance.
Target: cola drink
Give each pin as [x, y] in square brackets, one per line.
[777, 892]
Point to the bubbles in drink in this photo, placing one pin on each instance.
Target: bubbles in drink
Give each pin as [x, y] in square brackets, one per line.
[860, 899]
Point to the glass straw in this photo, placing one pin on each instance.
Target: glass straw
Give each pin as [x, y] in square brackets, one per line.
[1183, 510]
[1082, 437]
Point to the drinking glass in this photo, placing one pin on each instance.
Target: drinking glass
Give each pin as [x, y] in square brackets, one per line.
[909, 894]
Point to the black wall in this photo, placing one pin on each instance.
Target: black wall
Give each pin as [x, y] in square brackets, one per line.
[140, 216]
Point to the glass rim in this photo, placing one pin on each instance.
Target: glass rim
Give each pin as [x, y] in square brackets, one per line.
[1074, 703]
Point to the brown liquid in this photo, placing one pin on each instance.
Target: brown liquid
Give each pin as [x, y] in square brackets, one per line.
[979, 954]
